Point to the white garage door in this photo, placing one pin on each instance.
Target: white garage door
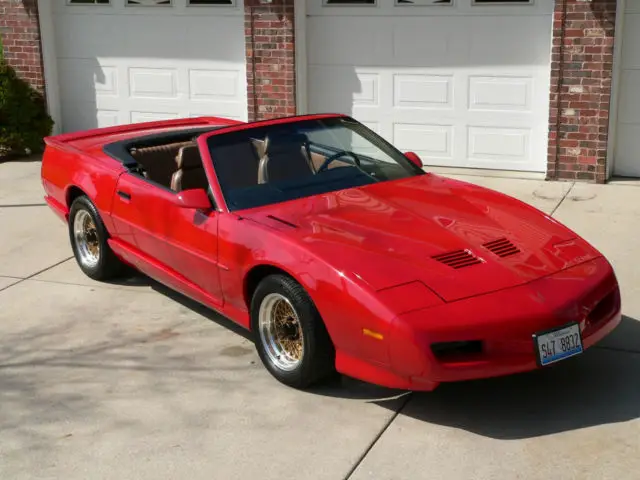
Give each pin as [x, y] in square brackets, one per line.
[627, 148]
[123, 61]
[462, 83]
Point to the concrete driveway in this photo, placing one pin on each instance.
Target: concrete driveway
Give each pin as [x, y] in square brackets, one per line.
[130, 380]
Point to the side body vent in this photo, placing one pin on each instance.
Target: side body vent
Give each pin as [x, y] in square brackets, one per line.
[501, 247]
[457, 259]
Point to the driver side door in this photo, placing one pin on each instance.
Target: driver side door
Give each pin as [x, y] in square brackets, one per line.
[192, 242]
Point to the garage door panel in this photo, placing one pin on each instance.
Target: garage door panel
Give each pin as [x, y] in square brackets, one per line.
[627, 162]
[338, 40]
[138, 117]
[423, 91]
[631, 41]
[627, 148]
[498, 145]
[85, 115]
[84, 80]
[630, 107]
[125, 66]
[155, 83]
[191, 37]
[434, 143]
[87, 36]
[426, 42]
[500, 93]
[509, 40]
[468, 88]
[340, 89]
[214, 84]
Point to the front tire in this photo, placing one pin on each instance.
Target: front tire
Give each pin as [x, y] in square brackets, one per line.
[289, 334]
[88, 237]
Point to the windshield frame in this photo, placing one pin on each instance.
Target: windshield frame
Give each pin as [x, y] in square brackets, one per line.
[207, 142]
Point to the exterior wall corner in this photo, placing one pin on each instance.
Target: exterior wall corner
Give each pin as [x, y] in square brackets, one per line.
[270, 52]
[580, 95]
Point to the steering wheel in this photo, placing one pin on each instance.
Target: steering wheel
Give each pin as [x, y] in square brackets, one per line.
[335, 156]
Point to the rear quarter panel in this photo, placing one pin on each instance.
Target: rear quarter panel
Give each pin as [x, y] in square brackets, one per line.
[64, 169]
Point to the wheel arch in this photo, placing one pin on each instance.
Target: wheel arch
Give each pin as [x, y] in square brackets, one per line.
[256, 274]
[72, 192]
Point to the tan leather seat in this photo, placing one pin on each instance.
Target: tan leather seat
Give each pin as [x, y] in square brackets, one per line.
[259, 146]
[286, 156]
[190, 171]
[159, 161]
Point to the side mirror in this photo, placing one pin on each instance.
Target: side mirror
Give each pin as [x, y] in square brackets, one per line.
[414, 158]
[195, 198]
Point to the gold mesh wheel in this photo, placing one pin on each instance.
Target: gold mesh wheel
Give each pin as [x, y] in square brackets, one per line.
[281, 332]
[86, 238]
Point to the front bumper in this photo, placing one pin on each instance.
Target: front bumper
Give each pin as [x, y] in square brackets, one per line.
[502, 324]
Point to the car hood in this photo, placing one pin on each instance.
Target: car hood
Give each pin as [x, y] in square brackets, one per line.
[458, 239]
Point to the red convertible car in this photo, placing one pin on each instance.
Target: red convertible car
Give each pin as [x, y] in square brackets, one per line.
[337, 251]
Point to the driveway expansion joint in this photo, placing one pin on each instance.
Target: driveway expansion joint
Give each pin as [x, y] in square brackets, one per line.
[377, 437]
[562, 199]
[36, 273]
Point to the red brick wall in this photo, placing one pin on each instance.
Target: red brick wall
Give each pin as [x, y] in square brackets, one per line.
[269, 38]
[582, 61]
[21, 39]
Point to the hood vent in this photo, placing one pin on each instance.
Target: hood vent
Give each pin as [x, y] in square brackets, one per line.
[502, 247]
[457, 259]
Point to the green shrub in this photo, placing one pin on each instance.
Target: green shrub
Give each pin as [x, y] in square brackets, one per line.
[23, 114]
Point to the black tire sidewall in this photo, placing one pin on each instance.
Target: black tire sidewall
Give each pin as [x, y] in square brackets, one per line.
[100, 270]
[318, 358]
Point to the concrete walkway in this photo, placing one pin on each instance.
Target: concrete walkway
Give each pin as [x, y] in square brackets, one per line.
[131, 380]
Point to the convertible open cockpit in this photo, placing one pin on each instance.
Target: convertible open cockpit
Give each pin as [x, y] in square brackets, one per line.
[173, 160]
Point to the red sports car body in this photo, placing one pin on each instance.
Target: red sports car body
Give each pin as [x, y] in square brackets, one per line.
[418, 279]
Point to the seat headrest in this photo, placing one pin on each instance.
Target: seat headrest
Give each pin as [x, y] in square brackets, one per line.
[284, 141]
[189, 157]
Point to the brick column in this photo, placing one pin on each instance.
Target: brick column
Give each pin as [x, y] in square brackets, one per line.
[269, 39]
[581, 68]
[20, 32]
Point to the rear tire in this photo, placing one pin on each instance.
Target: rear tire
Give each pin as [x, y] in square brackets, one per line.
[88, 237]
[289, 334]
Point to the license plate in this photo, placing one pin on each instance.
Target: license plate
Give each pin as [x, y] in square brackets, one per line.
[557, 344]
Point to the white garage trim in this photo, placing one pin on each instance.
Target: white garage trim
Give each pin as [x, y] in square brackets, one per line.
[615, 87]
[300, 19]
[50, 64]
[627, 128]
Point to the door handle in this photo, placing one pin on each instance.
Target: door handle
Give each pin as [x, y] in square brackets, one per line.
[124, 195]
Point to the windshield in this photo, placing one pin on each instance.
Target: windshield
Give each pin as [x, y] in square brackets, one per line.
[276, 163]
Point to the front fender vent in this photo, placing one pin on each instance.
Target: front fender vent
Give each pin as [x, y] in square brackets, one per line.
[501, 247]
[457, 259]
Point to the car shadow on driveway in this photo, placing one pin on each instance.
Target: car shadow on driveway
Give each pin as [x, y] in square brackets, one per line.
[339, 386]
[596, 388]
[140, 280]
